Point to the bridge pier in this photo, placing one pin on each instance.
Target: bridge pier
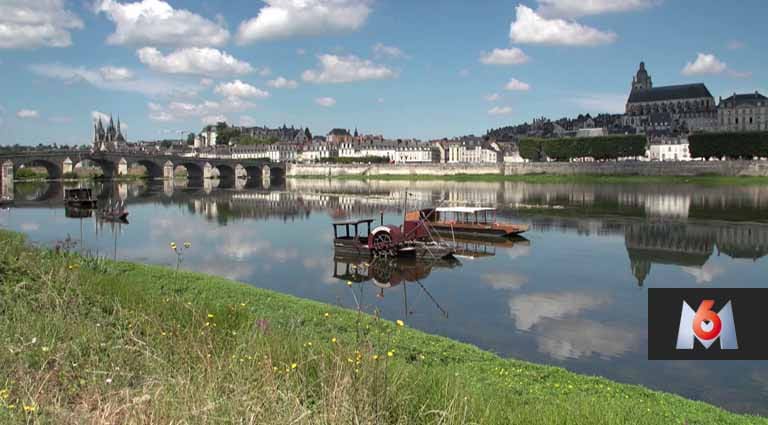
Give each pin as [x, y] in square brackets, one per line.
[6, 180]
[67, 166]
[208, 171]
[122, 167]
[168, 171]
[266, 174]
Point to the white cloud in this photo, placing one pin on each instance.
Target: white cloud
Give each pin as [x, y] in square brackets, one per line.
[577, 338]
[149, 86]
[282, 83]
[213, 119]
[500, 110]
[517, 85]
[577, 8]
[704, 274]
[529, 27]
[36, 23]
[155, 22]
[96, 115]
[193, 60]
[325, 101]
[240, 89]
[287, 18]
[205, 109]
[705, 63]
[27, 113]
[511, 56]
[264, 71]
[602, 102]
[492, 97]
[346, 69]
[530, 309]
[112, 73]
[382, 50]
[206, 82]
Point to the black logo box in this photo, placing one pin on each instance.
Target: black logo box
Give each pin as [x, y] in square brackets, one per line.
[750, 314]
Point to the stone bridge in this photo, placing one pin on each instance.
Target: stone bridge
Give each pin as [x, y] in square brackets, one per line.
[159, 165]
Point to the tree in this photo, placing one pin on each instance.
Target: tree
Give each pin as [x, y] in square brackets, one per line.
[190, 139]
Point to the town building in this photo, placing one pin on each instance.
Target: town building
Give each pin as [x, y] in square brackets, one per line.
[743, 112]
[691, 106]
[472, 150]
[668, 149]
[317, 152]
[282, 134]
[206, 138]
[339, 135]
[107, 139]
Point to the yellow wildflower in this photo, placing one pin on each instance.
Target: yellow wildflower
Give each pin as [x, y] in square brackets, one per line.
[400, 323]
[210, 316]
[349, 283]
[390, 353]
[29, 408]
[327, 315]
[375, 356]
[333, 340]
[294, 365]
[4, 394]
[187, 244]
[242, 304]
[173, 245]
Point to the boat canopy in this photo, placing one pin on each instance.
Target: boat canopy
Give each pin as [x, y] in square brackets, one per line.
[465, 210]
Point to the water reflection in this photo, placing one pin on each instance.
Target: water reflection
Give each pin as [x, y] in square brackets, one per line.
[572, 292]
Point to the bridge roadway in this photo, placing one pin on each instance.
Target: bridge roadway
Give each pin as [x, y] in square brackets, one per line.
[159, 165]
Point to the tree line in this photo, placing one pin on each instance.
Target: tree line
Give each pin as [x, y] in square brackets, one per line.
[739, 145]
[599, 148]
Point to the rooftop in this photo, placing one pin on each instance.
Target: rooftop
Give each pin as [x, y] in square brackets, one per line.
[678, 92]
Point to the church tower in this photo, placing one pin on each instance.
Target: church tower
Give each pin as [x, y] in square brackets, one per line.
[642, 81]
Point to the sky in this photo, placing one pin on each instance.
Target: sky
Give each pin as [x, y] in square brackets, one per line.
[401, 68]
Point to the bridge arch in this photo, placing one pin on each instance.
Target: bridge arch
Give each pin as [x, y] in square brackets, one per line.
[276, 173]
[52, 168]
[154, 170]
[108, 168]
[227, 175]
[194, 170]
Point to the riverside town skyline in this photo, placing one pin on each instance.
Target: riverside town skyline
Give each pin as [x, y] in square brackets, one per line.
[354, 63]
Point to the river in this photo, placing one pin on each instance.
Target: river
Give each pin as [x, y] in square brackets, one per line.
[573, 293]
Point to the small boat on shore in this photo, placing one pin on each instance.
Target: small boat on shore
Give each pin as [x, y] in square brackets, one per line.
[466, 222]
[79, 198]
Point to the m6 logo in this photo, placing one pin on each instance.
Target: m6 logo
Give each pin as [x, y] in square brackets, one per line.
[706, 326]
[700, 324]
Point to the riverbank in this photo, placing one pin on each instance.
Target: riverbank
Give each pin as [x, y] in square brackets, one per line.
[550, 178]
[99, 341]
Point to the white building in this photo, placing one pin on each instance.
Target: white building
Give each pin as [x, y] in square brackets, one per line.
[457, 152]
[317, 152]
[591, 132]
[669, 149]
[206, 138]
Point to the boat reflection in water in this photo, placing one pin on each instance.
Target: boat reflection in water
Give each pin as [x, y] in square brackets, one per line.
[386, 273]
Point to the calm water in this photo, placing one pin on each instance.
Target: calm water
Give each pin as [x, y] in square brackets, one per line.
[573, 294]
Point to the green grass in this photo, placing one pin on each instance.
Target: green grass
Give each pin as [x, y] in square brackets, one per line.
[552, 178]
[95, 341]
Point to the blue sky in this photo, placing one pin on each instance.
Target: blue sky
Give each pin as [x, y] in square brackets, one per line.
[423, 69]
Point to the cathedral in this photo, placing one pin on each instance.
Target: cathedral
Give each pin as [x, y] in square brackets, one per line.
[107, 139]
[685, 107]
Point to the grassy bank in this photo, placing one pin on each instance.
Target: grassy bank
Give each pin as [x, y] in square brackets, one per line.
[94, 341]
[551, 178]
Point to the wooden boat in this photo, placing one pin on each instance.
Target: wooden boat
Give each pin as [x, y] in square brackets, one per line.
[466, 222]
[359, 239]
[79, 198]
